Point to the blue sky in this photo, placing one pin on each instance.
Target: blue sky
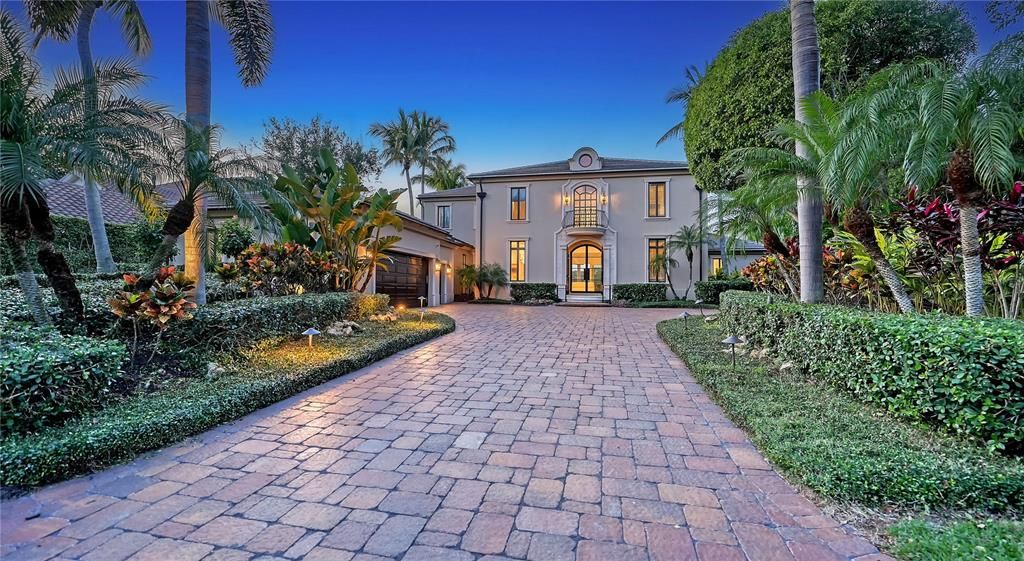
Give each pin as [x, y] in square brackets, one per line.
[519, 83]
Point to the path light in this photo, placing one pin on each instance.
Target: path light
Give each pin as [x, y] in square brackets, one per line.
[422, 299]
[310, 333]
[732, 340]
[699, 307]
[683, 316]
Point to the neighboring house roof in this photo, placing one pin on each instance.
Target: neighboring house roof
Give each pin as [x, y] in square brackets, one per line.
[170, 193]
[467, 192]
[67, 198]
[740, 247]
[439, 233]
[561, 167]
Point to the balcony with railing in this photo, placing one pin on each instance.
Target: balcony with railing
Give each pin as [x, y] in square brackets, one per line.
[585, 221]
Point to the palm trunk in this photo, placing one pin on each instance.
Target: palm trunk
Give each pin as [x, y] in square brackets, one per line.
[859, 223]
[970, 241]
[93, 201]
[787, 279]
[408, 184]
[16, 234]
[806, 80]
[423, 187]
[53, 263]
[177, 223]
[197, 113]
[668, 277]
[689, 285]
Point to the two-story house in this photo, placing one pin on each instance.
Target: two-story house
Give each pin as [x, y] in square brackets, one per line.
[586, 223]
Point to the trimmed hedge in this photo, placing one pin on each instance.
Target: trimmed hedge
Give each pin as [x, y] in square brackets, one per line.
[711, 290]
[118, 433]
[523, 291]
[640, 292]
[836, 445]
[46, 377]
[964, 374]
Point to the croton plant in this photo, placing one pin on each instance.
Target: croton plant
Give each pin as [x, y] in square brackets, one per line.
[162, 304]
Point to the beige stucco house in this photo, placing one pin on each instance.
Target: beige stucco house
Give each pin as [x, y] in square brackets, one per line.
[585, 223]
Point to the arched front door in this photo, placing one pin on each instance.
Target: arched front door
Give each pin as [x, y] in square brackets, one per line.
[586, 269]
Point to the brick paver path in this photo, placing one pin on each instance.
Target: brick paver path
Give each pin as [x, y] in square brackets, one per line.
[544, 434]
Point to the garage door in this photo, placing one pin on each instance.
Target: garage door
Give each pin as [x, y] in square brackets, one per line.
[404, 281]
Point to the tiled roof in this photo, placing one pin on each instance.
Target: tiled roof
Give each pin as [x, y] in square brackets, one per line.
[67, 198]
[170, 193]
[468, 191]
[562, 167]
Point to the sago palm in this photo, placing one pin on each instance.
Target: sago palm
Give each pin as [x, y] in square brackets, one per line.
[73, 18]
[400, 147]
[687, 239]
[445, 174]
[433, 142]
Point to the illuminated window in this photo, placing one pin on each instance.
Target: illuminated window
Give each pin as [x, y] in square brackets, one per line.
[517, 196]
[716, 265]
[656, 205]
[444, 217]
[655, 249]
[517, 261]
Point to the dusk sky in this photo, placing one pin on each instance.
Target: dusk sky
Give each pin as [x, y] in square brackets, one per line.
[519, 83]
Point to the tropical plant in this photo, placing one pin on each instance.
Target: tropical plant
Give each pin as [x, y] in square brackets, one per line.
[284, 268]
[159, 305]
[287, 141]
[250, 32]
[467, 276]
[681, 95]
[433, 143]
[664, 263]
[490, 276]
[233, 237]
[401, 147]
[687, 238]
[61, 21]
[445, 174]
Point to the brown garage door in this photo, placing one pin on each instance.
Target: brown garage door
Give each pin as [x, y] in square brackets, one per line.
[404, 281]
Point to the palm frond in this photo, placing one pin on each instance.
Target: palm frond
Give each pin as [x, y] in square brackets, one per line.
[250, 30]
[133, 27]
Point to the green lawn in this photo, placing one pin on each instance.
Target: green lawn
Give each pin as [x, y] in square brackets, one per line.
[963, 541]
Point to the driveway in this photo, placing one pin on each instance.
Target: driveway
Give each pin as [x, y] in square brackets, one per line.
[544, 434]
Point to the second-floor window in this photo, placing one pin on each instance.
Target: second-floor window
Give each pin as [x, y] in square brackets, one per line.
[444, 217]
[517, 261]
[655, 267]
[656, 202]
[517, 198]
[584, 206]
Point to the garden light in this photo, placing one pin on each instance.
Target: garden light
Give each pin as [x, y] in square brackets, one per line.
[700, 308]
[732, 340]
[310, 333]
[683, 316]
[422, 299]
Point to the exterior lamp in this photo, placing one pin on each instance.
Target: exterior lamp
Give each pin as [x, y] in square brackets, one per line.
[683, 316]
[604, 199]
[422, 299]
[699, 307]
[437, 266]
[310, 333]
[566, 199]
[731, 341]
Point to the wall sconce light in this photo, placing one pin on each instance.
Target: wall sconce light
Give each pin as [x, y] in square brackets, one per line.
[604, 199]
[731, 341]
[566, 199]
[437, 266]
[310, 333]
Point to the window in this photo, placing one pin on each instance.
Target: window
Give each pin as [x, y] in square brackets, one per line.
[465, 259]
[584, 206]
[517, 261]
[517, 197]
[655, 249]
[656, 203]
[444, 217]
[716, 265]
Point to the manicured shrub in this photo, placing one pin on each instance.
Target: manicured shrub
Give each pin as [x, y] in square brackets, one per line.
[639, 292]
[233, 237]
[129, 244]
[964, 374]
[523, 291]
[711, 290]
[838, 446]
[286, 268]
[46, 377]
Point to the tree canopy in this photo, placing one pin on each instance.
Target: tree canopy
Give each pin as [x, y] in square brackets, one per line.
[287, 141]
[748, 88]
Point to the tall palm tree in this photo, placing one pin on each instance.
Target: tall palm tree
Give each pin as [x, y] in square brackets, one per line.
[61, 21]
[433, 142]
[250, 32]
[687, 238]
[807, 80]
[969, 132]
[400, 147]
[681, 95]
[445, 174]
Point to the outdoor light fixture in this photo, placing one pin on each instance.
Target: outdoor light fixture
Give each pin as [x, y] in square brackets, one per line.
[604, 199]
[699, 307]
[683, 316]
[310, 333]
[566, 199]
[732, 340]
[437, 267]
[422, 299]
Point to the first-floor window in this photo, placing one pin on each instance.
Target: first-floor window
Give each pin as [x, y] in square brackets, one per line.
[716, 265]
[444, 217]
[517, 261]
[655, 268]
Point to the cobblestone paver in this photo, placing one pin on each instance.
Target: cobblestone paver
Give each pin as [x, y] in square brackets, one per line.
[544, 434]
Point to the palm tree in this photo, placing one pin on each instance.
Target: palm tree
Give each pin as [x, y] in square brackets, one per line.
[250, 31]
[664, 262]
[807, 80]
[198, 167]
[968, 131]
[62, 20]
[400, 146]
[687, 238]
[433, 142]
[445, 174]
[681, 95]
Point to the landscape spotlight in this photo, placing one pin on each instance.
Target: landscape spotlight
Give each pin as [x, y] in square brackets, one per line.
[732, 340]
[683, 316]
[310, 333]
[700, 308]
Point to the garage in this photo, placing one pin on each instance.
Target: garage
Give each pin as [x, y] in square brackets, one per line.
[404, 281]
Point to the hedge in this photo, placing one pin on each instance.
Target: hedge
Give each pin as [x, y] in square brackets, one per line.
[964, 374]
[711, 290]
[46, 377]
[523, 291]
[639, 292]
[147, 422]
[129, 243]
[838, 446]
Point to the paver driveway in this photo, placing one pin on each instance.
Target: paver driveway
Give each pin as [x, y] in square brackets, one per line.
[537, 433]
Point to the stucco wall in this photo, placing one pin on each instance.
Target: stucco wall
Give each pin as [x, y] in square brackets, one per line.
[464, 217]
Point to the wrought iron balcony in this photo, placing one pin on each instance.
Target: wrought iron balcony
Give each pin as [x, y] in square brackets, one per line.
[584, 221]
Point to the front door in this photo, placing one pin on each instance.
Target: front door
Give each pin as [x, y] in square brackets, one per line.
[586, 270]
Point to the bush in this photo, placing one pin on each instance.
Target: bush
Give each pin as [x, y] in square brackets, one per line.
[147, 422]
[710, 290]
[964, 374]
[286, 268]
[836, 445]
[233, 237]
[46, 377]
[639, 292]
[523, 291]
